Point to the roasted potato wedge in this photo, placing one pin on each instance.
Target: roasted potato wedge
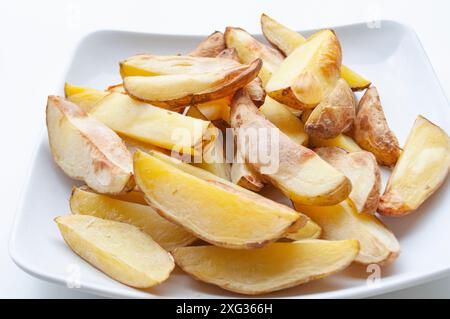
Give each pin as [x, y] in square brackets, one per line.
[287, 122]
[215, 110]
[176, 90]
[301, 175]
[362, 170]
[119, 250]
[334, 115]
[165, 233]
[421, 169]
[309, 73]
[211, 210]
[117, 88]
[287, 40]
[154, 125]
[339, 222]
[84, 97]
[211, 46]
[243, 176]
[86, 149]
[249, 49]
[342, 141]
[310, 231]
[275, 267]
[372, 132]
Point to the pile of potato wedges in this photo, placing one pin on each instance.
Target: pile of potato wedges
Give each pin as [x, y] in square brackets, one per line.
[147, 205]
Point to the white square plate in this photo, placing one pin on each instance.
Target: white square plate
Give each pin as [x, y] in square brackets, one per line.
[391, 56]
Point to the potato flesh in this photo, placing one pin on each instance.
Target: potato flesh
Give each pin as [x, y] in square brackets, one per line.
[216, 110]
[213, 211]
[243, 176]
[310, 231]
[342, 141]
[165, 233]
[421, 169]
[301, 175]
[85, 98]
[287, 40]
[275, 267]
[86, 149]
[339, 222]
[249, 49]
[120, 250]
[151, 124]
[287, 122]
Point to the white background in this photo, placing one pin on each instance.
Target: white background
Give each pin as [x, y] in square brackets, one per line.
[37, 38]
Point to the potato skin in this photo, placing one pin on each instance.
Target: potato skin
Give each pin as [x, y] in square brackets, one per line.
[372, 132]
[334, 115]
[211, 46]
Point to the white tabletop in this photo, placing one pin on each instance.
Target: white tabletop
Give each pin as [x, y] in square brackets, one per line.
[38, 36]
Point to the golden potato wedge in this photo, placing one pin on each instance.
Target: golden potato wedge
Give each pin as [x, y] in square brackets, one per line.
[275, 267]
[421, 169]
[334, 115]
[86, 149]
[84, 97]
[287, 122]
[213, 159]
[119, 250]
[117, 88]
[310, 231]
[215, 110]
[362, 170]
[296, 170]
[153, 125]
[244, 176]
[287, 40]
[179, 90]
[309, 73]
[211, 210]
[249, 49]
[372, 132]
[211, 46]
[342, 141]
[378, 244]
[165, 233]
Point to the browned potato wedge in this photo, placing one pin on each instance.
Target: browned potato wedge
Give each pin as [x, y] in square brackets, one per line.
[421, 169]
[86, 149]
[342, 141]
[287, 122]
[243, 176]
[165, 233]
[249, 49]
[120, 250]
[275, 267]
[213, 211]
[178, 90]
[301, 175]
[362, 170]
[86, 98]
[287, 40]
[309, 73]
[378, 244]
[372, 132]
[334, 115]
[310, 231]
[211, 46]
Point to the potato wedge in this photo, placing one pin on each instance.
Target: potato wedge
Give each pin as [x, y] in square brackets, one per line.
[249, 49]
[342, 141]
[301, 175]
[213, 159]
[243, 176]
[153, 125]
[211, 46]
[362, 170]
[119, 250]
[372, 132]
[334, 115]
[86, 149]
[117, 88]
[275, 267]
[309, 73]
[165, 233]
[378, 244]
[84, 97]
[179, 90]
[211, 210]
[421, 169]
[310, 231]
[287, 122]
[287, 40]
